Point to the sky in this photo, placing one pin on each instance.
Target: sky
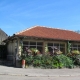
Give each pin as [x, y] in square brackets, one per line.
[18, 15]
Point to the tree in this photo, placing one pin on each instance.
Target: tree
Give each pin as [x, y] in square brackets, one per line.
[78, 31]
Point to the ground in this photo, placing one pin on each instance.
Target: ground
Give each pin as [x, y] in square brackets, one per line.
[12, 73]
[7, 77]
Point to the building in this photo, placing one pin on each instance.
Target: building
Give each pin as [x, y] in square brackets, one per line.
[38, 37]
[3, 50]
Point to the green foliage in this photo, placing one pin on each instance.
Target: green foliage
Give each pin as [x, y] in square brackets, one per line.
[69, 45]
[46, 49]
[36, 63]
[75, 56]
[76, 59]
[29, 60]
[75, 52]
[58, 52]
[23, 56]
[46, 61]
[65, 61]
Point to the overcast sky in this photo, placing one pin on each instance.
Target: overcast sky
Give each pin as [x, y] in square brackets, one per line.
[17, 15]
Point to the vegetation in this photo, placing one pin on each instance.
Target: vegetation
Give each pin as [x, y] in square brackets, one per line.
[75, 56]
[59, 60]
[47, 61]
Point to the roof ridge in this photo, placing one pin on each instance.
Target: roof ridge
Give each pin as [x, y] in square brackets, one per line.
[25, 30]
[43, 27]
[56, 28]
[50, 33]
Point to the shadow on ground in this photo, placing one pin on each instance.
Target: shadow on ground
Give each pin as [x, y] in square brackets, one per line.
[6, 63]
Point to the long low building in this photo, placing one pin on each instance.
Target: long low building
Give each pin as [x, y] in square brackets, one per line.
[38, 37]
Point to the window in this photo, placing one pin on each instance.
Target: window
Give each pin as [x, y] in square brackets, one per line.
[75, 47]
[56, 44]
[25, 42]
[50, 44]
[31, 44]
[60, 46]
[39, 43]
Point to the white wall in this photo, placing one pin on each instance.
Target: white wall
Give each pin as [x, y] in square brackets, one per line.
[11, 47]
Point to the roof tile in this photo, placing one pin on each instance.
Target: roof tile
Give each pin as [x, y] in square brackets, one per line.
[51, 33]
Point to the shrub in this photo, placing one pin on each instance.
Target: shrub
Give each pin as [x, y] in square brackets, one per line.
[55, 63]
[75, 56]
[76, 59]
[37, 61]
[29, 60]
[75, 52]
[47, 61]
[64, 61]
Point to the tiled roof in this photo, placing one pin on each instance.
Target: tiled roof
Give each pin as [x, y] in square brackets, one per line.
[50, 33]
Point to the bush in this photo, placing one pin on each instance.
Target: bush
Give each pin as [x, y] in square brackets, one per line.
[65, 61]
[75, 52]
[76, 59]
[29, 60]
[75, 56]
[37, 61]
[46, 61]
